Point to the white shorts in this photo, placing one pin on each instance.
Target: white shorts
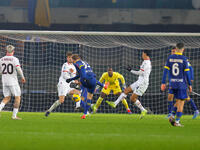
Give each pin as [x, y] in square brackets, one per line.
[11, 90]
[63, 89]
[139, 88]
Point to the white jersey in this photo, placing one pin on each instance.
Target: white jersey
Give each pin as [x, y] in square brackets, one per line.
[8, 70]
[145, 68]
[68, 71]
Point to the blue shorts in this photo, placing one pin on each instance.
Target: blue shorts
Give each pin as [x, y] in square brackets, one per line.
[90, 85]
[170, 91]
[179, 93]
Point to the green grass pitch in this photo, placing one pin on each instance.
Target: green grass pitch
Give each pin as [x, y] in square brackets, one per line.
[98, 132]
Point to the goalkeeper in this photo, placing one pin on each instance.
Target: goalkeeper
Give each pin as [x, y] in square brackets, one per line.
[113, 79]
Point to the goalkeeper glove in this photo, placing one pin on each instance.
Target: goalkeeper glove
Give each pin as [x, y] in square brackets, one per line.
[129, 68]
[123, 87]
[68, 80]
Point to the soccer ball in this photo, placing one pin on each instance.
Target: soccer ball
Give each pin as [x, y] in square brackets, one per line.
[76, 97]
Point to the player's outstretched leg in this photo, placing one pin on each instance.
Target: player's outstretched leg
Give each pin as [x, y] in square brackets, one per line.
[55, 104]
[87, 106]
[112, 104]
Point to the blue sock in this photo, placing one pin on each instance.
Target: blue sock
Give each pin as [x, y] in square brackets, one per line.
[170, 106]
[87, 106]
[178, 116]
[82, 104]
[174, 109]
[194, 107]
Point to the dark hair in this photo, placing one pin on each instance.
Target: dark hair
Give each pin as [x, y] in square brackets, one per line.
[147, 52]
[173, 47]
[180, 45]
[75, 56]
[69, 54]
[109, 68]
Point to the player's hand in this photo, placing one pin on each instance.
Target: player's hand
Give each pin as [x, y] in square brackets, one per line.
[123, 87]
[23, 80]
[106, 85]
[163, 87]
[129, 68]
[68, 80]
[190, 89]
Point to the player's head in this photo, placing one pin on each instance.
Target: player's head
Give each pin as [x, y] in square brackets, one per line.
[110, 71]
[75, 58]
[179, 47]
[173, 50]
[69, 57]
[146, 54]
[10, 49]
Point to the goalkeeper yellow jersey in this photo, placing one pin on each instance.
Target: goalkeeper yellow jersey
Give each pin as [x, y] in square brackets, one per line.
[114, 80]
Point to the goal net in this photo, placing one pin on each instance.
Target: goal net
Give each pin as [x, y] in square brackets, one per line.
[42, 54]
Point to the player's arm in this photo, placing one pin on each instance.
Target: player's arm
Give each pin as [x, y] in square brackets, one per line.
[191, 73]
[19, 71]
[187, 71]
[140, 72]
[165, 73]
[121, 77]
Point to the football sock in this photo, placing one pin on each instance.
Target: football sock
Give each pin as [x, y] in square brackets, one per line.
[2, 105]
[174, 109]
[120, 98]
[15, 111]
[139, 105]
[125, 104]
[78, 104]
[55, 104]
[87, 106]
[178, 116]
[98, 103]
[194, 107]
[170, 106]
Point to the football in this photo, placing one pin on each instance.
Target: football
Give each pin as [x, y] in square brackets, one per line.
[76, 97]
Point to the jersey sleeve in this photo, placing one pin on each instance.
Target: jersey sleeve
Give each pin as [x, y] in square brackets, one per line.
[186, 69]
[102, 78]
[165, 72]
[80, 65]
[191, 71]
[17, 64]
[121, 77]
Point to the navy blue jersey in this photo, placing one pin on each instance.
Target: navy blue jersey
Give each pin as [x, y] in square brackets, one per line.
[191, 71]
[178, 70]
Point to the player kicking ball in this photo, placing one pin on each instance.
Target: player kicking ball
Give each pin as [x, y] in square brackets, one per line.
[68, 71]
[139, 87]
[9, 68]
[179, 77]
[113, 79]
[87, 79]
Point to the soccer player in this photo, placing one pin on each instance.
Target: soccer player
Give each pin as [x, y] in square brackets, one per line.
[9, 68]
[87, 79]
[189, 99]
[68, 71]
[113, 79]
[179, 77]
[139, 87]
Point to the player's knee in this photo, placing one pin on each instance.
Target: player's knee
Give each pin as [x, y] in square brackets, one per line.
[133, 97]
[170, 97]
[61, 99]
[127, 90]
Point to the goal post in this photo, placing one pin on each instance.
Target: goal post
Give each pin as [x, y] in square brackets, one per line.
[42, 53]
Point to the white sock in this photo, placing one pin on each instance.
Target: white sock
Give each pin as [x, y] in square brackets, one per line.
[2, 106]
[139, 105]
[55, 104]
[15, 111]
[78, 104]
[120, 98]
